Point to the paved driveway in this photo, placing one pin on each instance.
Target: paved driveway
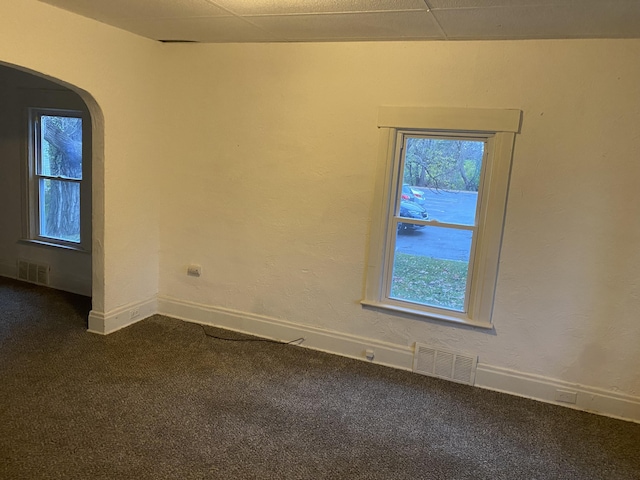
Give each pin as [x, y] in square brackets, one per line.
[450, 207]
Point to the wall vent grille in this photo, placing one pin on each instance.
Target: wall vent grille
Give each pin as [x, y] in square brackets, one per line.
[23, 270]
[33, 272]
[444, 364]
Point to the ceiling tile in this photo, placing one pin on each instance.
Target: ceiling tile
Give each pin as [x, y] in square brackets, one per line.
[438, 4]
[214, 30]
[335, 20]
[282, 7]
[363, 26]
[101, 10]
[588, 21]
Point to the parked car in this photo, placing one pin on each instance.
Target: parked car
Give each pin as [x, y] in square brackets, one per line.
[411, 210]
[411, 194]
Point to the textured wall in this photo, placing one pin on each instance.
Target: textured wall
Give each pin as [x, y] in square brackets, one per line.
[120, 71]
[273, 174]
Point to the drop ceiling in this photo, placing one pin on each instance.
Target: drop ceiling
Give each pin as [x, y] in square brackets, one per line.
[218, 21]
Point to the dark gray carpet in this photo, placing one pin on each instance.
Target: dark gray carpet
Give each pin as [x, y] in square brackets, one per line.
[161, 400]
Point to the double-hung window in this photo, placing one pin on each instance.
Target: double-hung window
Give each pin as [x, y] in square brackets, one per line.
[439, 211]
[58, 181]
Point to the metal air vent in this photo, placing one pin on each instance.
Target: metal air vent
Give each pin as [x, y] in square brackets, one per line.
[446, 364]
[33, 272]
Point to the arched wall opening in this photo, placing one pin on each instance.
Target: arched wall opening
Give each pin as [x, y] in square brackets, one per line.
[96, 260]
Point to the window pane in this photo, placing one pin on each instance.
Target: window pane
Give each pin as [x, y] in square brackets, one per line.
[431, 266]
[443, 176]
[413, 210]
[61, 143]
[60, 210]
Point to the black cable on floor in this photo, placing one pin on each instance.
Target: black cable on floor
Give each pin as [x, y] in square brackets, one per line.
[266, 340]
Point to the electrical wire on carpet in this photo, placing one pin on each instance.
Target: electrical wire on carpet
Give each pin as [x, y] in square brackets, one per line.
[265, 340]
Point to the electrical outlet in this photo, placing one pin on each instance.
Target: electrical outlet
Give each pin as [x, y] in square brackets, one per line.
[133, 313]
[194, 270]
[566, 396]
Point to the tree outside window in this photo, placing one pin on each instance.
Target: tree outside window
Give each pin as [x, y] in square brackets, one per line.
[56, 175]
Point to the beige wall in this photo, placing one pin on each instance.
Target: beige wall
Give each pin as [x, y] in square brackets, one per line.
[273, 180]
[117, 75]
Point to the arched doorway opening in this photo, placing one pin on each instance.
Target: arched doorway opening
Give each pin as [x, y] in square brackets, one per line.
[51, 146]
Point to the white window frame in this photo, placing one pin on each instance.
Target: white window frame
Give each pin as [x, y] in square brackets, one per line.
[33, 152]
[497, 128]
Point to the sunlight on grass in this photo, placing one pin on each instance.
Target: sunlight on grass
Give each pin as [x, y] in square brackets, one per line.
[429, 281]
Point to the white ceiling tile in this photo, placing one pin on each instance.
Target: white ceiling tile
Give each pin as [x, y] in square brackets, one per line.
[439, 4]
[213, 30]
[101, 10]
[282, 7]
[317, 20]
[364, 26]
[564, 21]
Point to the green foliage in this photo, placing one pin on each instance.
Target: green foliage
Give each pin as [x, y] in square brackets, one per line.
[429, 281]
[443, 163]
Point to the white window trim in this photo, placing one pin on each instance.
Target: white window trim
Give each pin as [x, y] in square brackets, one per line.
[32, 212]
[499, 128]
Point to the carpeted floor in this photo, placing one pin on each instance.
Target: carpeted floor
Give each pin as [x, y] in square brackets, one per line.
[161, 400]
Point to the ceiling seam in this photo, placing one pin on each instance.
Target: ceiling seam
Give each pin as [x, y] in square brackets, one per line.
[435, 19]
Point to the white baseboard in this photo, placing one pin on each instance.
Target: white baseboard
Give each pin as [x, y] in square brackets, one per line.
[67, 283]
[121, 317]
[314, 338]
[7, 270]
[71, 283]
[589, 399]
[499, 379]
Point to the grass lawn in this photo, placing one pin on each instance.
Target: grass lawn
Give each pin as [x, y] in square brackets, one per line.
[430, 281]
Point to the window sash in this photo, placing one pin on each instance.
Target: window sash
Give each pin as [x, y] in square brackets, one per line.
[498, 127]
[41, 210]
[399, 163]
[35, 177]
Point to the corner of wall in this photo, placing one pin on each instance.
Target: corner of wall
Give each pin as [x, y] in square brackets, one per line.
[104, 323]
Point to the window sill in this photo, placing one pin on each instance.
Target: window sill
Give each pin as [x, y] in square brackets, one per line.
[426, 315]
[42, 243]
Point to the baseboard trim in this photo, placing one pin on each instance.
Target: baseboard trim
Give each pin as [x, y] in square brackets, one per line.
[272, 328]
[121, 317]
[66, 283]
[536, 387]
[512, 382]
[70, 283]
[8, 271]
